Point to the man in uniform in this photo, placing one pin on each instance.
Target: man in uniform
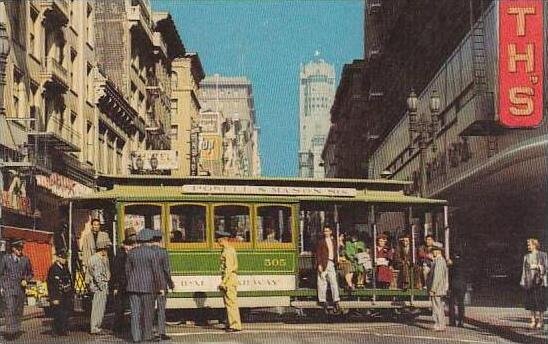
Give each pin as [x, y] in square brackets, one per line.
[144, 282]
[15, 274]
[229, 282]
[99, 277]
[167, 282]
[60, 293]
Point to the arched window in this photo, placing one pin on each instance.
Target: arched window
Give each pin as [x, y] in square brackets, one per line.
[174, 80]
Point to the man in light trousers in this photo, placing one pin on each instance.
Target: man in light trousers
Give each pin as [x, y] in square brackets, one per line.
[99, 275]
[326, 256]
[438, 284]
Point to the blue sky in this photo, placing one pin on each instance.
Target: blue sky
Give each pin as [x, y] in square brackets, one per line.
[266, 41]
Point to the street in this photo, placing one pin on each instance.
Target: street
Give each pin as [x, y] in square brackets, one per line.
[271, 328]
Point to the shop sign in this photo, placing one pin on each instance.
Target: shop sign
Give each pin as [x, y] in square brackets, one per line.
[152, 160]
[210, 147]
[62, 186]
[521, 63]
[16, 198]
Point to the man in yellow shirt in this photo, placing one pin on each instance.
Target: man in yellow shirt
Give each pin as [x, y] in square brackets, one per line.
[229, 282]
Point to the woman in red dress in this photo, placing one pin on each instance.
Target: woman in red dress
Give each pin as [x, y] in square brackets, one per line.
[384, 261]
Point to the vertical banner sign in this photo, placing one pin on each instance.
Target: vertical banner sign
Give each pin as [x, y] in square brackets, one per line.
[521, 63]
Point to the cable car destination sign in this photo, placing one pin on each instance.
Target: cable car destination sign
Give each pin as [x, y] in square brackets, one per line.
[521, 63]
[269, 190]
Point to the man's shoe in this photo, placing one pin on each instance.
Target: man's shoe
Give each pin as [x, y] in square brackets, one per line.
[233, 330]
[164, 337]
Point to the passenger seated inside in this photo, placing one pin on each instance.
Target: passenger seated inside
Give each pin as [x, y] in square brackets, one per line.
[270, 235]
[177, 237]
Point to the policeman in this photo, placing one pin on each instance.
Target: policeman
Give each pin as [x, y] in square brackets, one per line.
[167, 282]
[15, 274]
[60, 293]
[229, 282]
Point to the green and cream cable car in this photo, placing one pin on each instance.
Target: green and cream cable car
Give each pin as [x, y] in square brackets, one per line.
[275, 224]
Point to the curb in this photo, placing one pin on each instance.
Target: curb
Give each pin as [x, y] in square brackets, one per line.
[507, 332]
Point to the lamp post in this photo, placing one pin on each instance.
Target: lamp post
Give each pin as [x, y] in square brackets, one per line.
[423, 128]
[4, 52]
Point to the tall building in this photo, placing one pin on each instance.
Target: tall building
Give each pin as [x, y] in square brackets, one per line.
[233, 97]
[185, 112]
[316, 95]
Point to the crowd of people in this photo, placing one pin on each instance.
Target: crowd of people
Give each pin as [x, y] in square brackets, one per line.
[140, 276]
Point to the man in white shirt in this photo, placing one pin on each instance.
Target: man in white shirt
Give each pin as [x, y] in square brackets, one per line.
[326, 256]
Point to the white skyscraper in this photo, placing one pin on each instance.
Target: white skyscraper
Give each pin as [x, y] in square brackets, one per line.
[316, 95]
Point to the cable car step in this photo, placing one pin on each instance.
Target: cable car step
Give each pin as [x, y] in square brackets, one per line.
[366, 304]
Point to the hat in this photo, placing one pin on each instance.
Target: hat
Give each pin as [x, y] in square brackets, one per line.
[62, 254]
[145, 235]
[129, 240]
[103, 244]
[222, 234]
[130, 231]
[17, 243]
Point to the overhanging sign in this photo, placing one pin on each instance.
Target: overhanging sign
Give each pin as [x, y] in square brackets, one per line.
[269, 190]
[521, 63]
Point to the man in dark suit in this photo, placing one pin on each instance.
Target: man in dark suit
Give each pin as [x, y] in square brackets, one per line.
[119, 283]
[326, 257]
[144, 282]
[457, 290]
[167, 282]
[15, 274]
[60, 293]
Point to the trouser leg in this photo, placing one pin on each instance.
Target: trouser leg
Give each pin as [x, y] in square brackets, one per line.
[230, 298]
[452, 315]
[135, 305]
[147, 302]
[460, 307]
[98, 310]
[322, 286]
[332, 279]
[161, 304]
[13, 313]
[438, 313]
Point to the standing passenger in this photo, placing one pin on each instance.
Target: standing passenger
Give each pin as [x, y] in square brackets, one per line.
[119, 282]
[90, 239]
[229, 282]
[143, 284]
[457, 290]
[438, 284]
[167, 282]
[15, 274]
[383, 262]
[60, 293]
[99, 277]
[534, 280]
[326, 256]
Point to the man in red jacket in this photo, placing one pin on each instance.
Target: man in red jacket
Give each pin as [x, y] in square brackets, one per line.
[326, 256]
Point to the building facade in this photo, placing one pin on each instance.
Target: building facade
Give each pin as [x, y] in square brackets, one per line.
[316, 95]
[233, 97]
[494, 177]
[211, 160]
[185, 112]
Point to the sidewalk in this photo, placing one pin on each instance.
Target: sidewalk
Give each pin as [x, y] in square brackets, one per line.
[510, 323]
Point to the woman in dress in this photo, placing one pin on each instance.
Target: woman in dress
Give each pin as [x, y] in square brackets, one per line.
[534, 281]
[383, 262]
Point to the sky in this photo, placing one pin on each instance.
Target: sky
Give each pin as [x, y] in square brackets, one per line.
[266, 41]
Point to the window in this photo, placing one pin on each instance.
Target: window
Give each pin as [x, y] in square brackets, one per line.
[235, 220]
[90, 143]
[89, 24]
[174, 107]
[174, 132]
[18, 94]
[174, 80]
[73, 75]
[274, 224]
[140, 216]
[33, 44]
[90, 83]
[188, 223]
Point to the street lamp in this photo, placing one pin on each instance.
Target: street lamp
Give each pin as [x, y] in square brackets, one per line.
[424, 129]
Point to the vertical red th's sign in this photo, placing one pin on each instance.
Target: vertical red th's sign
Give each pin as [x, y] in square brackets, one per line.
[521, 63]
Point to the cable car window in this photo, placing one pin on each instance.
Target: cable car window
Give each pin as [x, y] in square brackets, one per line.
[274, 224]
[141, 216]
[187, 223]
[235, 220]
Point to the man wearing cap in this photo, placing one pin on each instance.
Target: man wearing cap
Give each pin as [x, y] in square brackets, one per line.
[15, 274]
[437, 283]
[229, 281]
[167, 282]
[144, 282]
[99, 272]
[119, 281]
[60, 293]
